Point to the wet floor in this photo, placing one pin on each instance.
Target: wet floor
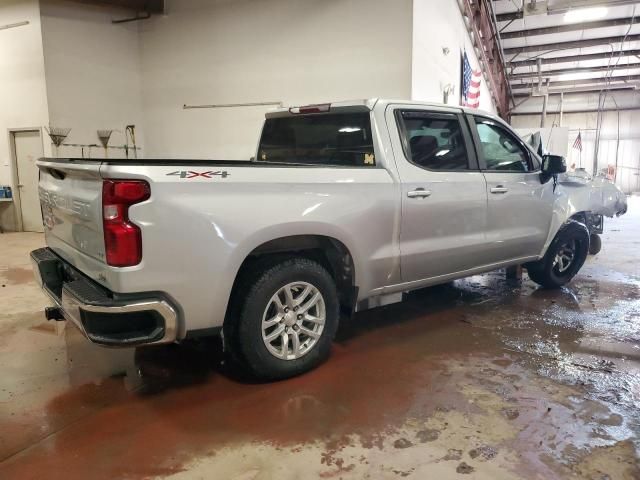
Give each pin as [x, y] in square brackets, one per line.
[479, 378]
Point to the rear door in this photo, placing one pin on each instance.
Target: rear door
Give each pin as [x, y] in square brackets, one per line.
[71, 200]
[444, 197]
[519, 204]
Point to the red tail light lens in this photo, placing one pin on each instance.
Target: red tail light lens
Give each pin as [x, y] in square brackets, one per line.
[122, 239]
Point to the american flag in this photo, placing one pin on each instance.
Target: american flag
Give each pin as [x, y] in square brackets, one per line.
[578, 143]
[470, 84]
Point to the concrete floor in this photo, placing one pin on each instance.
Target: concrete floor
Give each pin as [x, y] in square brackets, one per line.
[481, 378]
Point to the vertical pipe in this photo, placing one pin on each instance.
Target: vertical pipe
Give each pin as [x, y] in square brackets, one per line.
[543, 117]
[561, 107]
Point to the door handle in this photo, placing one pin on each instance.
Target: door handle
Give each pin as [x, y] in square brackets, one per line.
[499, 189]
[419, 193]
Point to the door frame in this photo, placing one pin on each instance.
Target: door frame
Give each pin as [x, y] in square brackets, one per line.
[15, 191]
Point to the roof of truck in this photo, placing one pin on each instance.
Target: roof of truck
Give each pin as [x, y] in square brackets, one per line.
[369, 104]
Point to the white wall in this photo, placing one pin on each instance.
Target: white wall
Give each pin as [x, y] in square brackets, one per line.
[93, 73]
[616, 146]
[23, 102]
[295, 51]
[436, 25]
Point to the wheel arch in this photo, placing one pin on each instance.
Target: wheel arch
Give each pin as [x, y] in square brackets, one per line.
[328, 251]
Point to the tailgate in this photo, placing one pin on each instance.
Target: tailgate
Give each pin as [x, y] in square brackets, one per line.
[71, 200]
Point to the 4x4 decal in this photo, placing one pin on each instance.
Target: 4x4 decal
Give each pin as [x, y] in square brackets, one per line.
[191, 174]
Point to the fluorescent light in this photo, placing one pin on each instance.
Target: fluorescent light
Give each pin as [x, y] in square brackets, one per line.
[585, 14]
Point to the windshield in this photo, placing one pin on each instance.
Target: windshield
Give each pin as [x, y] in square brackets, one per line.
[337, 139]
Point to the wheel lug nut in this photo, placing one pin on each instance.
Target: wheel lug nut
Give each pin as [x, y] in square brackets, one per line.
[299, 317]
[286, 309]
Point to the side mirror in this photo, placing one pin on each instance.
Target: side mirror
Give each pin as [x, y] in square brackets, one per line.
[552, 165]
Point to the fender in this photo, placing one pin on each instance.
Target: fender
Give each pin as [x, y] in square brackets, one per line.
[575, 194]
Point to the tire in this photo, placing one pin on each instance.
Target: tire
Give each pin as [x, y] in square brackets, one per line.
[595, 244]
[254, 343]
[572, 245]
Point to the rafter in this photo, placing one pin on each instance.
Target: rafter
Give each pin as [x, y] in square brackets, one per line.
[591, 42]
[573, 27]
[565, 71]
[575, 58]
[587, 81]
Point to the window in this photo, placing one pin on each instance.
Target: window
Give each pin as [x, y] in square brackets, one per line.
[342, 139]
[433, 140]
[501, 150]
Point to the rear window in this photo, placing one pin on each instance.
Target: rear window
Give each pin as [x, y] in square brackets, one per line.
[340, 139]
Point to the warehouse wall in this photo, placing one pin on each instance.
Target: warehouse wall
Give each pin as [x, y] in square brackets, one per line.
[619, 142]
[438, 25]
[294, 51]
[23, 101]
[93, 73]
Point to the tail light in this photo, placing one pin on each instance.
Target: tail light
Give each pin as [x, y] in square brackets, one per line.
[122, 239]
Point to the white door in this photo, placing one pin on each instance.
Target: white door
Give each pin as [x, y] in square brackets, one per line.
[28, 148]
[520, 205]
[444, 198]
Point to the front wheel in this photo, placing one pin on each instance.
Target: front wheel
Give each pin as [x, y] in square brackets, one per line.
[564, 258]
[287, 320]
[595, 244]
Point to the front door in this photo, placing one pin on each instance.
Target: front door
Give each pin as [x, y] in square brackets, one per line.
[519, 204]
[444, 196]
[28, 149]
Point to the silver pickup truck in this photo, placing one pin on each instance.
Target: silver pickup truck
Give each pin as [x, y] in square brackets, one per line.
[344, 207]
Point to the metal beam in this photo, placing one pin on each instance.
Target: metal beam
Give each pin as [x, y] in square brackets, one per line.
[509, 17]
[565, 112]
[573, 27]
[563, 71]
[149, 6]
[592, 42]
[14, 25]
[479, 20]
[559, 7]
[588, 81]
[575, 58]
[593, 89]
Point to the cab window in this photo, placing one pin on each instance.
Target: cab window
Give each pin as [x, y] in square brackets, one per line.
[501, 149]
[433, 141]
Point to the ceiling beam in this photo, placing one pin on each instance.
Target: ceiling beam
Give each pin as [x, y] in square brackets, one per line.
[149, 6]
[591, 42]
[509, 17]
[587, 81]
[573, 27]
[560, 6]
[594, 110]
[576, 58]
[593, 89]
[564, 71]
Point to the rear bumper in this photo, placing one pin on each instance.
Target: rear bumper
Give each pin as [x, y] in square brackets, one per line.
[104, 317]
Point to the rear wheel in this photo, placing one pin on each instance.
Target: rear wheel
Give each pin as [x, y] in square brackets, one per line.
[287, 319]
[564, 258]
